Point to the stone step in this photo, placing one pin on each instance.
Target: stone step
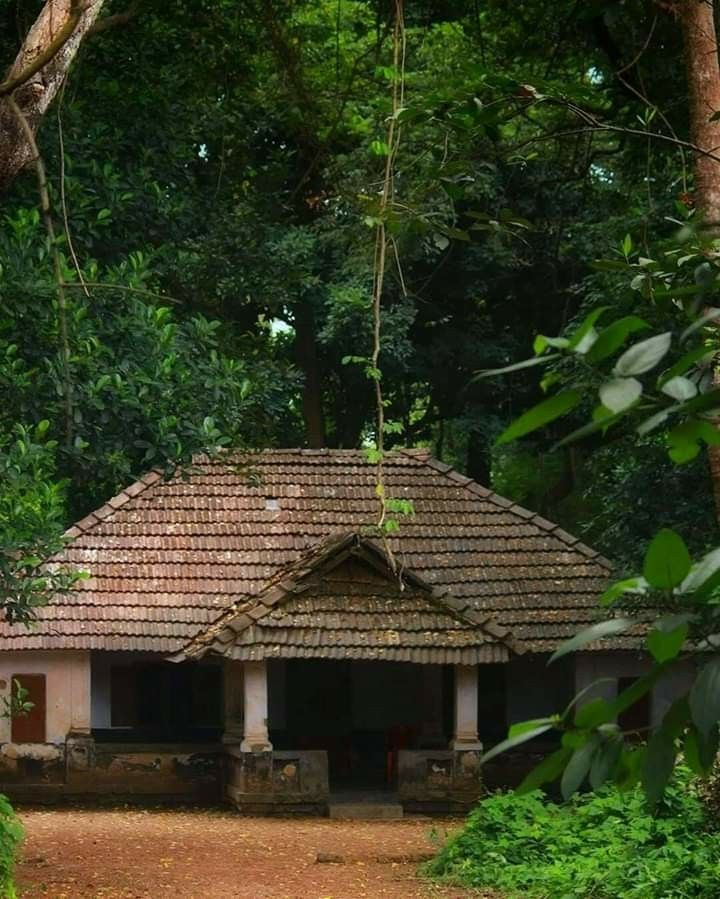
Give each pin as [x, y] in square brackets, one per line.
[365, 811]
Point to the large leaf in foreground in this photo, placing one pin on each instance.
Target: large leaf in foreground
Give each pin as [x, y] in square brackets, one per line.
[542, 414]
[595, 632]
[667, 561]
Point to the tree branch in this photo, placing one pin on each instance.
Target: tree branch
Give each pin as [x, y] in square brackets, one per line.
[37, 74]
[120, 18]
[11, 84]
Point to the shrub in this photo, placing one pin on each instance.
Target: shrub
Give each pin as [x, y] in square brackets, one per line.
[596, 846]
[10, 835]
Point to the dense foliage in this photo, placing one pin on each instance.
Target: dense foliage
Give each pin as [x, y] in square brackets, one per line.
[10, 835]
[229, 156]
[605, 846]
[204, 274]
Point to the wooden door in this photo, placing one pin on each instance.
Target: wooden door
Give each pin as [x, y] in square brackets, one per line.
[30, 727]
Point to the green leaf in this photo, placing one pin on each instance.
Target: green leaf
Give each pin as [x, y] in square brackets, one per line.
[665, 645]
[517, 740]
[667, 561]
[705, 697]
[541, 343]
[684, 364]
[684, 440]
[654, 421]
[548, 410]
[601, 423]
[643, 356]
[630, 767]
[701, 573]
[677, 717]
[679, 388]
[522, 727]
[586, 327]
[589, 688]
[620, 588]
[701, 750]
[517, 366]
[638, 689]
[658, 765]
[613, 337]
[710, 316]
[620, 393]
[549, 769]
[598, 631]
[597, 711]
[379, 148]
[578, 767]
[605, 761]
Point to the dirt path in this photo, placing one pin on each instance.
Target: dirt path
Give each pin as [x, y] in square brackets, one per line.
[208, 854]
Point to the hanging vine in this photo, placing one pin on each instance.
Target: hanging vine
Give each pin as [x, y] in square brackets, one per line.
[384, 243]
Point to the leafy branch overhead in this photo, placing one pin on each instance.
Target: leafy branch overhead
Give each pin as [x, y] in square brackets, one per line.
[661, 383]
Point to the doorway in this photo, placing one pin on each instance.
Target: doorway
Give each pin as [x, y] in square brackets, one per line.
[362, 713]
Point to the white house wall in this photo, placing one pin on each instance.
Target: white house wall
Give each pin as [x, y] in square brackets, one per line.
[67, 684]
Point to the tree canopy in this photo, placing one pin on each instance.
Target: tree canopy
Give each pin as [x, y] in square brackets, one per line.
[188, 251]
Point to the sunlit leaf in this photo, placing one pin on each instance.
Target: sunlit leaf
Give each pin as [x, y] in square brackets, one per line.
[643, 356]
[516, 366]
[599, 631]
[620, 393]
[680, 388]
[517, 740]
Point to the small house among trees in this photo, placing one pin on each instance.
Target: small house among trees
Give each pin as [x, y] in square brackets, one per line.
[245, 634]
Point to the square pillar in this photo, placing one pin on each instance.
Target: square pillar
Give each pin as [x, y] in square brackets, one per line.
[466, 708]
[255, 695]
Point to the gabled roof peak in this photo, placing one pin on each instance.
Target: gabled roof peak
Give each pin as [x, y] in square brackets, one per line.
[242, 632]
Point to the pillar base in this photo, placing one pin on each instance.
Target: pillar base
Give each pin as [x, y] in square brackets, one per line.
[466, 746]
[256, 744]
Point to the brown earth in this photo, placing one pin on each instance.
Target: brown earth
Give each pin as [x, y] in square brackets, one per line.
[216, 854]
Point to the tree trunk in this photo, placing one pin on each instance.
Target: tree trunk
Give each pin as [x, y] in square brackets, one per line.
[703, 76]
[306, 354]
[56, 34]
[478, 458]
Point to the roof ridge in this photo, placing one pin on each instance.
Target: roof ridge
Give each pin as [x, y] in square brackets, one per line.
[108, 509]
[510, 506]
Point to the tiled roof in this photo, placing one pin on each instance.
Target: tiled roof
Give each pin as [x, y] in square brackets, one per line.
[343, 600]
[167, 558]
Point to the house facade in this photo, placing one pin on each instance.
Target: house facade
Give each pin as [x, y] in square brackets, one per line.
[243, 635]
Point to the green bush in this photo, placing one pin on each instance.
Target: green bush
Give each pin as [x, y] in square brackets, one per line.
[11, 833]
[596, 846]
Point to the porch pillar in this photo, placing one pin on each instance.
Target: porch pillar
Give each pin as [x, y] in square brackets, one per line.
[233, 701]
[255, 738]
[466, 708]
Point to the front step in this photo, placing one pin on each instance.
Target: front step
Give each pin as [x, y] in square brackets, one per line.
[370, 809]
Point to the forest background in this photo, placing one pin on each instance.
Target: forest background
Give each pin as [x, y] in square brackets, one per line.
[214, 173]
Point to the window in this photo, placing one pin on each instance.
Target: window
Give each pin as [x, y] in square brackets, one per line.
[165, 702]
[636, 719]
[30, 727]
